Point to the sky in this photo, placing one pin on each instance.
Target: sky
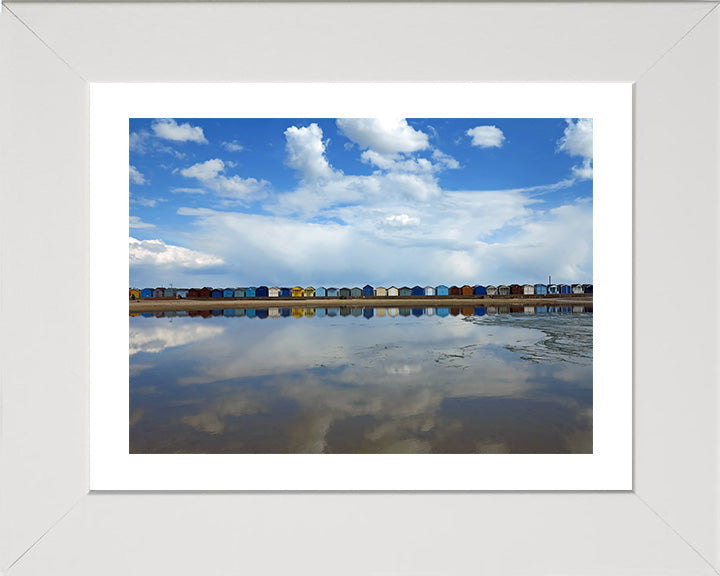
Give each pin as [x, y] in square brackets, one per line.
[231, 202]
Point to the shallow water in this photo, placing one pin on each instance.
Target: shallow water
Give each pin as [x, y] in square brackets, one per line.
[353, 380]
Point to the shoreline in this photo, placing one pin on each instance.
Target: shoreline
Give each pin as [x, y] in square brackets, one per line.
[192, 304]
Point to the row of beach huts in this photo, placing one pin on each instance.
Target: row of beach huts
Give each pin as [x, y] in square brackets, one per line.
[366, 291]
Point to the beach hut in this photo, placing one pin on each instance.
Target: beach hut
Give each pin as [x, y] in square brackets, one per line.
[553, 289]
[250, 292]
[516, 289]
[228, 293]
[442, 290]
[309, 292]
[216, 293]
[170, 292]
[261, 292]
[455, 291]
[158, 293]
[491, 290]
[528, 289]
[273, 292]
[239, 293]
[320, 292]
[368, 291]
[182, 293]
[503, 290]
[285, 293]
[479, 290]
[355, 292]
[541, 289]
[332, 292]
[587, 288]
[135, 294]
[344, 293]
[429, 291]
[205, 292]
[467, 290]
[405, 291]
[577, 289]
[418, 291]
[392, 291]
[297, 292]
[565, 288]
[193, 293]
[380, 291]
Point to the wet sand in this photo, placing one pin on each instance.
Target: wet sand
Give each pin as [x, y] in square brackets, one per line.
[190, 304]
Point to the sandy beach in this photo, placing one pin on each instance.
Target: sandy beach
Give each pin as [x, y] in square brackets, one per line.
[389, 302]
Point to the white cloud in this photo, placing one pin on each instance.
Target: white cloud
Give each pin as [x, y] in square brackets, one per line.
[169, 129]
[486, 136]
[386, 136]
[139, 141]
[306, 152]
[149, 202]
[233, 146]
[136, 177]
[189, 191]
[401, 220]
[156, 338]
[204, 171]
[136, 222]
[228, 187]
[158, 254]
[577, 140]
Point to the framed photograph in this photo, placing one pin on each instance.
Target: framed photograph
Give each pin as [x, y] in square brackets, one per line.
[336, 168]
[645, 497]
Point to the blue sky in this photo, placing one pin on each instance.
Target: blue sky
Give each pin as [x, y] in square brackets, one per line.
[347, 202]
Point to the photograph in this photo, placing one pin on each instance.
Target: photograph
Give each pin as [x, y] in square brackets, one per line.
[361, 285]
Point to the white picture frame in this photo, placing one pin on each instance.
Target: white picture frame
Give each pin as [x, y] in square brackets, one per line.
[668, 523]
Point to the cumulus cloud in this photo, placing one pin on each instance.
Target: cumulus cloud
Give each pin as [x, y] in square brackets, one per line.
[577, 140]
[233, 146]
[385, 136]
[306, 152]
[136, 177]
[233, 188]
[158, 254]
[136, 222]
[486, 136]
[401, 220]
[169, 129]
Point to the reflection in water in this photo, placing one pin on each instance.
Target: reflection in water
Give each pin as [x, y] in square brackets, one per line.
[362, 380]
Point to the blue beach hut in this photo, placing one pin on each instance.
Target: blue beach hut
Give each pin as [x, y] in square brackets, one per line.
[553, 289]
[158, 292]
[588, 288]
[170, 293]
[239, 293]
[284, 292]
[146, 293]
[261, 291]
[228, 293]
[418, 291]
[541, 289]
[479, 290]
[368, 291]
[442, 290]
[355, 292]
[331, 292]
[321, 292]
[344, 292]
[565, 288]
[216, 293]
[250, 292]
